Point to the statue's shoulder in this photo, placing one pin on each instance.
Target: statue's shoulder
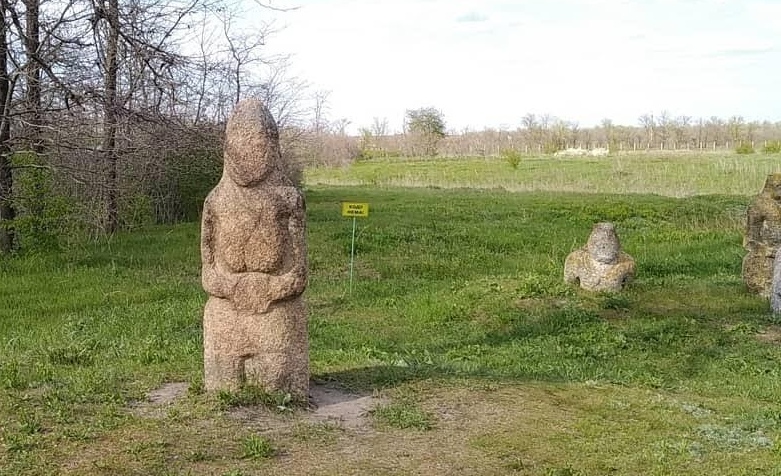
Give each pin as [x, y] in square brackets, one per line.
[292, 196]
[214, 197]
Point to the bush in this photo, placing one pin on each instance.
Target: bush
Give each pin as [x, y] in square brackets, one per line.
[512, 157]
[745, 148]
[772, 147]
[44, 218]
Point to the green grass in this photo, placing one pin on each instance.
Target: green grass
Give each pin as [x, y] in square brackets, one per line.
[671, 174]
[257, 447]
[402, 415]
[458, 315]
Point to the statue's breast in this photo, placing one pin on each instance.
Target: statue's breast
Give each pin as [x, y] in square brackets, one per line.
[253, 237]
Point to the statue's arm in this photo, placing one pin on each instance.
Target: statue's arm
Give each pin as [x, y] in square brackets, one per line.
[754, 219]
[297, 230]
[215, 279]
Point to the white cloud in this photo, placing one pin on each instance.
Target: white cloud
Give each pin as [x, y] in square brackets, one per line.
[488, 63]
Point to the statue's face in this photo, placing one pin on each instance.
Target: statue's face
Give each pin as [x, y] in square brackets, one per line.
[603, 244]
[251, 143]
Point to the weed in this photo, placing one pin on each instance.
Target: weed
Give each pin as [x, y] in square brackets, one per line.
[745, 148]
[402, 415]
[19, 443]
[251, 395]
[12, 376]
[257, 447]
[196, 386]
[512, 157]
[71, 355]
[29, 424]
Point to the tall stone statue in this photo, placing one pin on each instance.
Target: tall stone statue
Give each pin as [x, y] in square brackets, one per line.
[253, 251]
[763, 236]
[600, 265]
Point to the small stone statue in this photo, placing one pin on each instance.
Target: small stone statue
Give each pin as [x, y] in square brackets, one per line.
[600, 265]
[253, 249]
[763, 236]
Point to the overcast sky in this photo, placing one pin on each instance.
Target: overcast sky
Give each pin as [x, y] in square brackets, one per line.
[487, 63]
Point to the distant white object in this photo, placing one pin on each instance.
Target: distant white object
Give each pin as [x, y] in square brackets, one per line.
[577, 152]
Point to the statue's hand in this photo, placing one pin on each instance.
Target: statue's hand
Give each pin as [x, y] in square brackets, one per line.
[297, 281]
[252, 293]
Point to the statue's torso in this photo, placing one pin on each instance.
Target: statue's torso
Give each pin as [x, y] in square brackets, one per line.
[252, 233]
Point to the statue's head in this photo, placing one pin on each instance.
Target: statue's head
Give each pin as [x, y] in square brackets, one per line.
[251, 143]
[603, 244]
[773, 186]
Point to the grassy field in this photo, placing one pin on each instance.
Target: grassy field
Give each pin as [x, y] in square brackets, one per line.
[672, 174]
[459, 323]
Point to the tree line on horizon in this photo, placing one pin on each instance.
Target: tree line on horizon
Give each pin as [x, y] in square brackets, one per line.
[547, 134]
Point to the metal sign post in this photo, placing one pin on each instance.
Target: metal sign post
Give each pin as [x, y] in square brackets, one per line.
[354, 210]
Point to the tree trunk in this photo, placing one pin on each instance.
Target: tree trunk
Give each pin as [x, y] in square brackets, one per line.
[7, 211]
[32, 44]
[109, 144]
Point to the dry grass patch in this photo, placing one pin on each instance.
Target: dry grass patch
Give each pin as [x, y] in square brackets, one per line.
[476, 427]
[770, 335]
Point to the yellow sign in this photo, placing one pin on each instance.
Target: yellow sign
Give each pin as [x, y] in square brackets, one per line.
[352, 209]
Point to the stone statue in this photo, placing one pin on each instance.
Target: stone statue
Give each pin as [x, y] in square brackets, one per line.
[600, 265]
[763, 236]
[253, 250]
[775, 287]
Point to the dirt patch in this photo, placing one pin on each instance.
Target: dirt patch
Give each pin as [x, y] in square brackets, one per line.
[334, 404]
[770, 335]
[159, 398]
[168, 393]
[327, 403]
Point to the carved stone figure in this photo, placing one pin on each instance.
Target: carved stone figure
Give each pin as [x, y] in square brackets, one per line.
[253, 250]
[775, 288]
[763, 236]
[600, 265]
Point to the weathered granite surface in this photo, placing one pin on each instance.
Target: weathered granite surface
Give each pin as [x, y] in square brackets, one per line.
[600, 265]
[775, 288]
[254, 266]
[763, 236]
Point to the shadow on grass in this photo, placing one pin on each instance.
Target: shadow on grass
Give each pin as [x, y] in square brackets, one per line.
[579, 345]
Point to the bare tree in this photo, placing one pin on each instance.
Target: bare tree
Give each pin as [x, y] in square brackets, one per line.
[379, 127]
[649, 126]
[735, 125]
[7, 211]
[320, 110]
